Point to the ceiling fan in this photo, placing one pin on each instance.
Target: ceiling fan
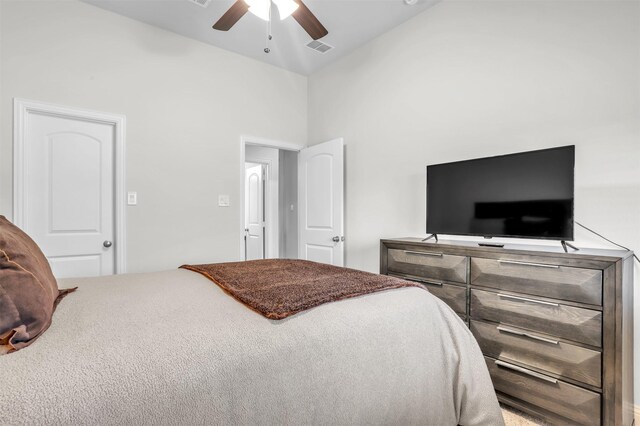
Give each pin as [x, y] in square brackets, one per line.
[262, 9]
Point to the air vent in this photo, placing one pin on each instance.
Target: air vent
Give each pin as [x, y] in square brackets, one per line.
[319, 46]
[203, 3]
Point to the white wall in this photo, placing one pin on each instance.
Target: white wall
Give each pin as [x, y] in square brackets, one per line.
[1, 103]
[469, 79]
[187, 104]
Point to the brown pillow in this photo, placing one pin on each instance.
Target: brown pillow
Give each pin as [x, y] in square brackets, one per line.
[28, 291]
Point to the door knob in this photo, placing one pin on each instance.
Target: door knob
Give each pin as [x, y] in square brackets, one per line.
[336, 239]
[107, 244]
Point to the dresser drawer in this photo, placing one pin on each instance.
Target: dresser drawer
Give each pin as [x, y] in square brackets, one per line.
[571, 323]
[556, 282]
[430, 265]
[453, 295]
[574, 403]
[543, 352]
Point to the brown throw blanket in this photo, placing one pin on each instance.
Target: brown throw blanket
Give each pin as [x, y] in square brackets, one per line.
[278, 288]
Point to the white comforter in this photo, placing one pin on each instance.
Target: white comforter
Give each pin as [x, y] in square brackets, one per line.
[171, 348]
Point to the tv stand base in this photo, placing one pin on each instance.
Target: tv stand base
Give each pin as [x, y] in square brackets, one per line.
[431, 236]
[566, 244]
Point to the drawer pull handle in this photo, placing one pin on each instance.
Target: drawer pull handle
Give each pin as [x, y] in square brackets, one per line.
[418, 280]
[525, 371]
[524, 299]
[538, 265]
[423, 253]
[523, 334]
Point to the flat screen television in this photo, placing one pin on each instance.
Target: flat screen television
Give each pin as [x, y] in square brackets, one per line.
[524, 195]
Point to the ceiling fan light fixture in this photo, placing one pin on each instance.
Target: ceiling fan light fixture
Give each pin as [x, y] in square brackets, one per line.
[286, 7]
[260, 8]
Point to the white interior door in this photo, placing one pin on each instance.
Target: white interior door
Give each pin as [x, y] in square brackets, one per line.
[254, 212]
[68, 198]
[321, 203]
[270, 160]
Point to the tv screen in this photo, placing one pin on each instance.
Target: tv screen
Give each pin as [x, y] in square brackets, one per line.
[524, 195]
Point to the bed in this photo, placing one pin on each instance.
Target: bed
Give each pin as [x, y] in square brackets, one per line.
[172, 348]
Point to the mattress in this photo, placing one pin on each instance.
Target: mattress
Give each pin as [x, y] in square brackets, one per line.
[171, 348]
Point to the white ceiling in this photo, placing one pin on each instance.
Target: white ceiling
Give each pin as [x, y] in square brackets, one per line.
[350, 23]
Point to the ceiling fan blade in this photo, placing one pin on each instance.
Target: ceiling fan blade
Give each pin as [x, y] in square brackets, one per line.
[233, 15]
[308, 21]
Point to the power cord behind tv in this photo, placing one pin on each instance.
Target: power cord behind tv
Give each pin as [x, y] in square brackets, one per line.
[605, 238]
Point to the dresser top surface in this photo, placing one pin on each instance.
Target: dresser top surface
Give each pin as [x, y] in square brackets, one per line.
[540, 250]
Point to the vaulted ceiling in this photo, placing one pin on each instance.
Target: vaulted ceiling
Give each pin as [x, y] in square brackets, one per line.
[351, 23]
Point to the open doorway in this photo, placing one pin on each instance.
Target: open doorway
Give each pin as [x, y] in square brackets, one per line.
[302, 190]
[270, 200]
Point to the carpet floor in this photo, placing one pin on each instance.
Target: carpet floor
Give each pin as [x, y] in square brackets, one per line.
[513, 417]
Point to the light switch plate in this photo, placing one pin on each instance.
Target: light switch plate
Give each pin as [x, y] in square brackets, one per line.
[223, 200]
[132, 198]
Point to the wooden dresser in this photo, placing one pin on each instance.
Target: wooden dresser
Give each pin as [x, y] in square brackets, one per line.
[556, 328]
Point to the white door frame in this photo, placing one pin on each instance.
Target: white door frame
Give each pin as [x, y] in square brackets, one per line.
[267, 143]
[21, 110]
